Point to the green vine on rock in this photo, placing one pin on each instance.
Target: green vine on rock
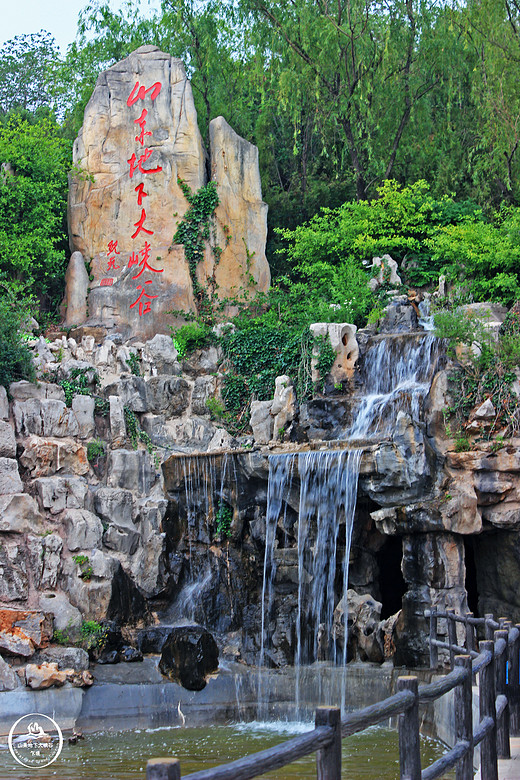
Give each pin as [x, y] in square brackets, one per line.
[326, 357]
[136, 435]
[193, 230]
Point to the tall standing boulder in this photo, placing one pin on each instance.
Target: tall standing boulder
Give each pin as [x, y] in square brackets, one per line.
[241, 216]
[138, 147]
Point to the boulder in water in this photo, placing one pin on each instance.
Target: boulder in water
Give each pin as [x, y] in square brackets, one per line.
[188, 656]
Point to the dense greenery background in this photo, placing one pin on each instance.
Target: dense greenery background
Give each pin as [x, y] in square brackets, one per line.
[382, 125]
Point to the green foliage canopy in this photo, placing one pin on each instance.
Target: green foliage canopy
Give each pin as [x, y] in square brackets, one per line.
[34, 163]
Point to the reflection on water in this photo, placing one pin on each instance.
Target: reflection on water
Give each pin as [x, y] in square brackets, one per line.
[123, 755]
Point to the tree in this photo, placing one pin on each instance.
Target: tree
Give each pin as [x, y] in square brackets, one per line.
[34, 163]
[26, 64]
[492, 29]
[368, 62]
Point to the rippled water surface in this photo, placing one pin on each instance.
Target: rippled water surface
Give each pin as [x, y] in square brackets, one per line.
[123, 755]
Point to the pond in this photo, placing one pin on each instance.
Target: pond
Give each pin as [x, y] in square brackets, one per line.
[123, 755]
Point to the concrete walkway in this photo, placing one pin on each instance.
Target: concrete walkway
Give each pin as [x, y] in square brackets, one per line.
[508, 769]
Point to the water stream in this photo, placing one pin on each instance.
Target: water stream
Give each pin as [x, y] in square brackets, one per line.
[397, 375]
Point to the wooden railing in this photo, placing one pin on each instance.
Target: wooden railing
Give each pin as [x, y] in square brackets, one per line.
[496, 662]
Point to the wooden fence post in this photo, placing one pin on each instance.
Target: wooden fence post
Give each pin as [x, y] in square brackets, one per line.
[514, 685]
[464, 718]
[452, 634]
[409, 742]
[503, 746]
[470, 633]
[470, 639]
[328, 759]
[434, 650]
[489, 631]
[488, 746]
[163, 769]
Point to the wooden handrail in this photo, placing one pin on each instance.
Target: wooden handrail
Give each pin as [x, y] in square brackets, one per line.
[499, 713]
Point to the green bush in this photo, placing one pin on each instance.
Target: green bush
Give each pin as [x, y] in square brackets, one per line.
[330, 250]
[190, 337]
[33, 201]
[484, 256]
[95, 449]
[15, 358]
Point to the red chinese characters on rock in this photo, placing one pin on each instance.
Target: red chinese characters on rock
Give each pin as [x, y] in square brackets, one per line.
[144, 262]
[144, 306]
[137, 163]
[111, 257]
[139, 93]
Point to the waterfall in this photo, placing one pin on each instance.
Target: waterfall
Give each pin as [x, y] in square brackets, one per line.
[397, 375]
[207, 481]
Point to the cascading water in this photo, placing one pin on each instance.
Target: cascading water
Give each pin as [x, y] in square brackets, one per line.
[397, 374]
[206, 482]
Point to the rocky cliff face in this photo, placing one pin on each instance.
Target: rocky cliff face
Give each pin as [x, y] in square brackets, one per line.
[138, 146]
[122, 500]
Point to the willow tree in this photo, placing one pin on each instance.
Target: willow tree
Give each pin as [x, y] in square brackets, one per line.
[368, 63]
[492, 29]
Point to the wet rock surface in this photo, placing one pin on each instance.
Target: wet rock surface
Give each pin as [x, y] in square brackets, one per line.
[188, 656]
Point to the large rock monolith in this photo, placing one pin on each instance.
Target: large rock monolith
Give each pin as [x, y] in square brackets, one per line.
[138, 145]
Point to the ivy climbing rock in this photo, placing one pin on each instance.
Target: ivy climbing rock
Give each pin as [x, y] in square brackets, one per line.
[139, 171]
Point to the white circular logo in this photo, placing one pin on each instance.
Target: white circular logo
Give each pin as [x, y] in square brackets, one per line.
[35, 740]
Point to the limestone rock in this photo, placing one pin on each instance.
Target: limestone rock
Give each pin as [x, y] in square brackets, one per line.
[45, 553]
[117, 419]
[342, 337]
[485, 411]
[7, 440]
[109, 210]
[19, 514]
[241, 216]
[204, 388]
[9, 680]
[132, 391]
[66, 617]
[59, 493]
[44, 417]
[161, 356]
[283, 408]
[131, 470]
[363, 614]
[84, 529]
[10, 481]
[83, 407]
[23, 390]
[222, 440]
[188, 656]
[115, 505]
[261, 422]
[14, 581]
[21, 631]
[4, 403]
[168, 395]
[44, 675]
[43, 457]
[74, 304]
[387, 273]
[436, 560]
[65, 657]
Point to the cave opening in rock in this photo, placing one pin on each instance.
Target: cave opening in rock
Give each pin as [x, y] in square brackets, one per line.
[392, 586]
[470, 582]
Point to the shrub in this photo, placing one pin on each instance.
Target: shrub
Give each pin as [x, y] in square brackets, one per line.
[190, 337]
[15, 358]
[95, 449]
